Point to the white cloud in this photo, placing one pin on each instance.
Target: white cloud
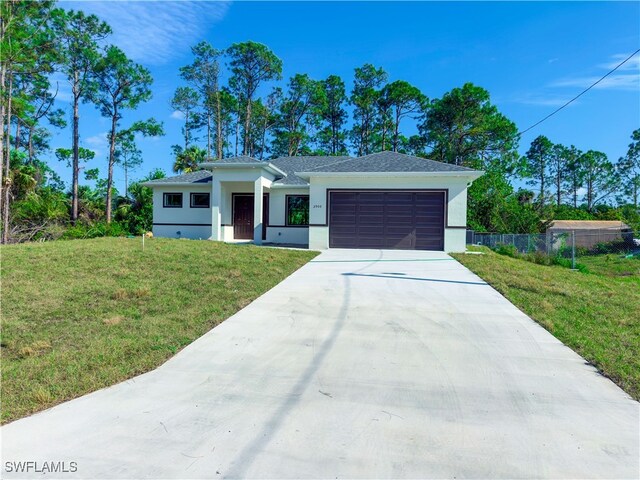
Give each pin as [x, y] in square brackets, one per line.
[177, 115]
[627, 77]
[59, 86]
[154, 32]
[98, 143]
[543, 100]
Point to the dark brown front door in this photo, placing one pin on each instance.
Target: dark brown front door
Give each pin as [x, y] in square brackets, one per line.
[243, 216]
[409, 220]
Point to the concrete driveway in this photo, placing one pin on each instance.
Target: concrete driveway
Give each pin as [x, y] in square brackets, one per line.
[363, 364]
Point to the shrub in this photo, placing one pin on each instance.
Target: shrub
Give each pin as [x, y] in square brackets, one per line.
[93, 230]
[508, 250]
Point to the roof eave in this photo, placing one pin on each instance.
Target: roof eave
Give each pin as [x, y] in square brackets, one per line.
[264, 165]
[170, 184]
[472, 174]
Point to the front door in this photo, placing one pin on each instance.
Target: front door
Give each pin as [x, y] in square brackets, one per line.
[243, 217]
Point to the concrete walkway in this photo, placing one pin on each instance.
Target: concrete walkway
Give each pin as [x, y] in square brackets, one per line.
[363, 364]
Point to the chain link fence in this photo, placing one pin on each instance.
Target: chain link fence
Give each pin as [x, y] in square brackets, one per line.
[566, 244]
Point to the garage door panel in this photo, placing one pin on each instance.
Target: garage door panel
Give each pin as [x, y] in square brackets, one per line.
[386, 219]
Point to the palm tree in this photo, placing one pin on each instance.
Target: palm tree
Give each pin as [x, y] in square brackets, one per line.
[188, 160]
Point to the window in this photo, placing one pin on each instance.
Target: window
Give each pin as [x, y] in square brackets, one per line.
[297, 210]
[199, 200]
[172, 200]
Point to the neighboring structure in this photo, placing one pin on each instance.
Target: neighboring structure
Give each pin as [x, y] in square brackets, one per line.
[384, 200]
[589, 233]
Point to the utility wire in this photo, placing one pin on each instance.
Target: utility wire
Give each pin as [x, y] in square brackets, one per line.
[580, 94]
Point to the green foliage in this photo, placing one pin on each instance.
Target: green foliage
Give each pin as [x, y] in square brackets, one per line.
[465, 128]
[251, 64]
[83, 230]
[188, 160]
[331, 137]
[45, 205]
[297, 111]
[364, 98]
[538, 257]
[629, 170]
[538, 158]
[136, 212]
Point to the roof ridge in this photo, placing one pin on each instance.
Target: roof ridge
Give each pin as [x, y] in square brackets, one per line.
[335, 163]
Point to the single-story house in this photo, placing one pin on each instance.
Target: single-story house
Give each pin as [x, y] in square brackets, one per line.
[385, 200]
[589, 233]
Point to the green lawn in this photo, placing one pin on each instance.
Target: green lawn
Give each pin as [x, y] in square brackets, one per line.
[595, 313]
[84, 314]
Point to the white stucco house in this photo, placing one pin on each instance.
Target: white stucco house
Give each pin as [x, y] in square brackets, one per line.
[384, 200]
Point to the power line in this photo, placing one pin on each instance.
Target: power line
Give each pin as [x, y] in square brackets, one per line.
[581, 93]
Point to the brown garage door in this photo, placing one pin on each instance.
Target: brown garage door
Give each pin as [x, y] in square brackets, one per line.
[393, 219]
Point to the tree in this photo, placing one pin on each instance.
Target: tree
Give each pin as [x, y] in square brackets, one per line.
[295, 114]
[364, 97]
[26, 50]
[122, 85]
[599, 177]
[188, 160]
[574, 177]
[464, 128]
[136, 210]
[251, 64]
[538, 159]
[128, 155]
[228, 115]
[185, 101]
[332, 137]
[78, 36]
[40, 106]
[629, 169]
[204, 74]
[404, 100]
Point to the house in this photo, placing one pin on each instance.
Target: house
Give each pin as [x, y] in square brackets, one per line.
[384, 200]
[589, 233]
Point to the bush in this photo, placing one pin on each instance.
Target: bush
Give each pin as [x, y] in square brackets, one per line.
[93, 230]
[538, 257]
[508, 250]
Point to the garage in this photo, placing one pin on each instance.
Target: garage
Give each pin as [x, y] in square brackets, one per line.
[387, 219]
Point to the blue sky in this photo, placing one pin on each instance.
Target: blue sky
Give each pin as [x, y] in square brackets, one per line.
[531, 57]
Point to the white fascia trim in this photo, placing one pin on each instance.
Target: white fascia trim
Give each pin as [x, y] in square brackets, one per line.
[179, 184]
[280, 185]
[265, 165]
[470, 174]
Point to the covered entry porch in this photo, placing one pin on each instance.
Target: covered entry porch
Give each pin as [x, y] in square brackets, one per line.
[240, 210]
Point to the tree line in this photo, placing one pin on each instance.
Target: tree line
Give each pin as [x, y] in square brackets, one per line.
[233, 102]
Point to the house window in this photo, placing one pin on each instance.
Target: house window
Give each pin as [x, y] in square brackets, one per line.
[199, 200]
[297, 210]
[172, 200]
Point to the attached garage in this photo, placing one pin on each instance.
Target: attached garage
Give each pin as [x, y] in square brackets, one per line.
[387, 219]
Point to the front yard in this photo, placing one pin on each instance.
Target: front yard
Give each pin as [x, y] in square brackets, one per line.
[84, 314]
[595, 313]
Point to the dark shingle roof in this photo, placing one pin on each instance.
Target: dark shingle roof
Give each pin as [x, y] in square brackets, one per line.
[238, 159]
[290, 165]
[391, 162]
[199, 176]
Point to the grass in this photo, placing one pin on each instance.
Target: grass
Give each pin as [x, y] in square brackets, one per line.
[84, 314]
[594, 313]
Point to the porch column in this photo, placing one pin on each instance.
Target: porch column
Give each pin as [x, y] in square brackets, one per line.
[258, 187]
[216, 201]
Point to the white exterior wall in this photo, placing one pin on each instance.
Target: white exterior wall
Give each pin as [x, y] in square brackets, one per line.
[454, 238]
[278, 232]
[185, 222]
